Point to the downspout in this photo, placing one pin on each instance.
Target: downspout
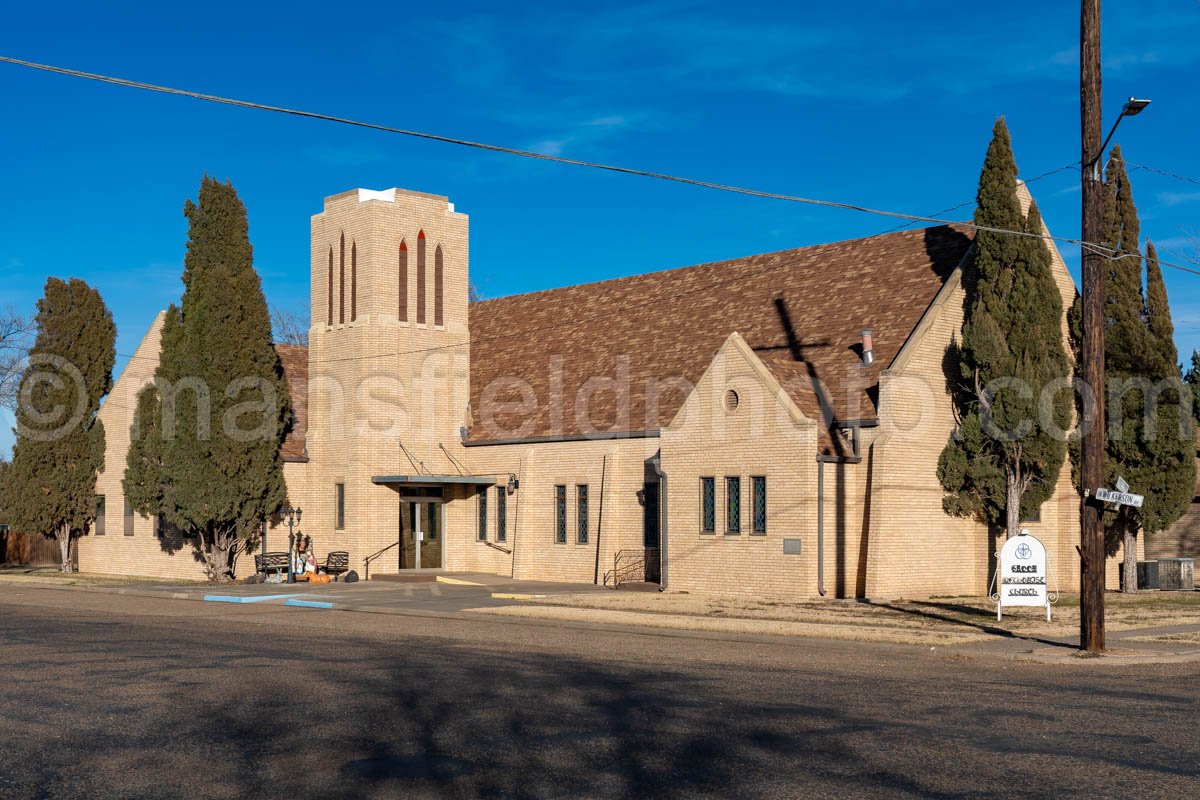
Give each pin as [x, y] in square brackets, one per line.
[822, 460]
[820, 526]
[600, 519]
[656, 465]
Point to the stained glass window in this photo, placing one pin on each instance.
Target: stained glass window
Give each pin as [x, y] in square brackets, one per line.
[708, 505]
[759, 490]
[501, 514]
[733, 505]
[483, 516]
[560, 514]
[581, 509]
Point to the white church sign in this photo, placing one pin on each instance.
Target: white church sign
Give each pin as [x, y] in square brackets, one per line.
[1022, 575]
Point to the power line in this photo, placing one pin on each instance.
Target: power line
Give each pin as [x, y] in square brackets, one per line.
[909, 219]
[1164, 172]
[722, 187]
[1112, 254]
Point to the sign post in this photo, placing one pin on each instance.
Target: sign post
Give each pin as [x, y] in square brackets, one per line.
[1021, 575]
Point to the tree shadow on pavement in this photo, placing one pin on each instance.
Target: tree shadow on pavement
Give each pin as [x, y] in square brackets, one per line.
[924, 612]
[174, 709]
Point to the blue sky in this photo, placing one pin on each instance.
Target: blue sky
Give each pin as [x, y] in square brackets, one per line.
[887, 104]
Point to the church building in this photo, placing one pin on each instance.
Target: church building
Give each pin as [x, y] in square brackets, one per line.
[768, 425]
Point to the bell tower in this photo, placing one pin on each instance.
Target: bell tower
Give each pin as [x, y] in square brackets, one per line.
[388, 349]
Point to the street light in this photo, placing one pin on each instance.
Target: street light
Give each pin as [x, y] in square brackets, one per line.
[1091, 527]
[1132, 108]
[292, 515]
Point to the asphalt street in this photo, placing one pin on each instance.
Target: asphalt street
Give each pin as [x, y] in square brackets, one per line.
[117, 696]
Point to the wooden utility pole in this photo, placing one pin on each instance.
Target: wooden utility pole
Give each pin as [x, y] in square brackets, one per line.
[1091, 526]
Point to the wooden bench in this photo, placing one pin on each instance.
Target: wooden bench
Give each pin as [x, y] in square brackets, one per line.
[337, 562]
[271, 562]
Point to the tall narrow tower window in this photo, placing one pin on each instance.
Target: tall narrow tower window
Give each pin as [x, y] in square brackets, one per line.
[329, 296]
[342, 282]
[403, 281]
[353, 281]
[437, 286]
[421, 278]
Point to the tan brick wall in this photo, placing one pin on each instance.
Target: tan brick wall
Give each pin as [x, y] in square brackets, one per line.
[765, 435]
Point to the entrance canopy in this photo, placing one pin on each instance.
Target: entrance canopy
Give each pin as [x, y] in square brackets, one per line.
[412, 481]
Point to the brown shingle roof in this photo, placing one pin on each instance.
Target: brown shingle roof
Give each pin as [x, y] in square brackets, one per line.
[294, 359]
[802, 311]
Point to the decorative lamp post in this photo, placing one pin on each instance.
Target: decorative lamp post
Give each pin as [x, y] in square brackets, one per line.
[292, 515]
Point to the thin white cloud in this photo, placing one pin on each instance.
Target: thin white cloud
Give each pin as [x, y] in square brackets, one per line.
[1177, 198]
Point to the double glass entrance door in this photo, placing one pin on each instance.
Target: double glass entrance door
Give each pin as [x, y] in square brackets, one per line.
[420, 534]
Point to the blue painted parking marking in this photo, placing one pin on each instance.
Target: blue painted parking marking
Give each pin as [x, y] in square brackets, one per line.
[307, 603]
[233, 598]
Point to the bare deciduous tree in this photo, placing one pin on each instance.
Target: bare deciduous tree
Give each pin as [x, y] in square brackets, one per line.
[15, 340]
[288, 327]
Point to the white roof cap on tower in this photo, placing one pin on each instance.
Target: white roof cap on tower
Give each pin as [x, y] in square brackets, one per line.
[386, 195]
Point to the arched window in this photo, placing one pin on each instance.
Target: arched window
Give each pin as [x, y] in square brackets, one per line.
[329, 297]
[421, 278]
[342, 282]
[403, 281]
[437, 285]
[353, 281]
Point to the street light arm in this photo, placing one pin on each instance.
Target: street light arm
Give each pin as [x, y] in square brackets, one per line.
[1100, 154]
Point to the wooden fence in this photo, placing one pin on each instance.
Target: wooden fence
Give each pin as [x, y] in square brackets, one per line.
[26, 550]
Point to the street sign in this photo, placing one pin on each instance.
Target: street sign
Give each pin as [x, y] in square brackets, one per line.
[1122, 485]
[1119, 498]
[1021, 575]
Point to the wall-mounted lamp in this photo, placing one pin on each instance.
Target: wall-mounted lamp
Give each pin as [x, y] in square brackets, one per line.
[641, 496]
[513, 483]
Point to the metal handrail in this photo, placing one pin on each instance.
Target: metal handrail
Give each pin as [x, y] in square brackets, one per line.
[634, 559]
[498, 547]
[367, 561]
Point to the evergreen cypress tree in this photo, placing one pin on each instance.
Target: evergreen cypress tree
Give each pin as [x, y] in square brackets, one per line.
[50, 487]
[1003, 460]
[1169, 482]
[219, 409]
[1192, 379]
[143, 481]
[1149, 439]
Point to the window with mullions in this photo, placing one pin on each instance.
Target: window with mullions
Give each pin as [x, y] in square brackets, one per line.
[758, 490]
[708, 505]
[733, 505]
[581, 510]
[560, 514]
[483, 511]
[501, 514]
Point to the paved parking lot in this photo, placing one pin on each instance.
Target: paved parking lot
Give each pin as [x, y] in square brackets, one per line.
[450, 594]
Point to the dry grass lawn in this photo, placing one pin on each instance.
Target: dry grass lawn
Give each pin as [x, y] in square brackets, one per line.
[53, 576]
[956, 620]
